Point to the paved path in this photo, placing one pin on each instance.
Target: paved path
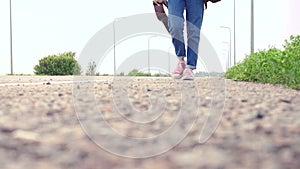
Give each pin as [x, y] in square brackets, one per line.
[39, 126]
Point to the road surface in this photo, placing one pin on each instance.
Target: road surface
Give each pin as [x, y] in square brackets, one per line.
[54, 122]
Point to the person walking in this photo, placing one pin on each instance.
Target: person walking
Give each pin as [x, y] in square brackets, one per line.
[194, 18]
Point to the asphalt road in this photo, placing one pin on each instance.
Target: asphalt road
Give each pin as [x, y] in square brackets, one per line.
[145, 123]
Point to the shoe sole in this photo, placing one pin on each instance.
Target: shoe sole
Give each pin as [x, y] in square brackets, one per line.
[176, 76]
[188, 78]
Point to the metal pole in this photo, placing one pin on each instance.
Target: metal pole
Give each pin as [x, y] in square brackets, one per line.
[234, 36]
[169, 60]
[252, 27]
[148, 58]
[149, 52]
[114, 29]
[229, 29]
[228, 61]
[11, 50]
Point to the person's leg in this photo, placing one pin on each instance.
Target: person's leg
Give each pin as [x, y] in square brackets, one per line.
[194, 17]
[176, 27]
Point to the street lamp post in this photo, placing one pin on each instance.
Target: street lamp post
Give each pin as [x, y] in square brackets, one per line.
[229, 29]
[114, 30]
[11, 50]
[234, 37]
[252, 27]
[169, 60]
[149, 52]
[228, 60]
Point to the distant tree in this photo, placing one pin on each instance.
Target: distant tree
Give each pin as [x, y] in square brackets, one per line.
[122, 74]
[91, 71]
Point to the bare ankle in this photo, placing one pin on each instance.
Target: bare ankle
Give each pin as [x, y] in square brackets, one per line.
[181, 59]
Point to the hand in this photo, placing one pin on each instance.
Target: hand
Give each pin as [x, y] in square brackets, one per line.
[159, 1]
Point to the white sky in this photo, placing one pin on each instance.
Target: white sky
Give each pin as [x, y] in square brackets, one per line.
[45, 27]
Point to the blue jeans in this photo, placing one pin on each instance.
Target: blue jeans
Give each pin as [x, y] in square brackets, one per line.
[194, 18]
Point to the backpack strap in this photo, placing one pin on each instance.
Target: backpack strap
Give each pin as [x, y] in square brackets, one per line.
[160, 12]
[213, 1]
[205, 3]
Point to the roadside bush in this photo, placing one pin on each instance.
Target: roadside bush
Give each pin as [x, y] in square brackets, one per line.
[62, 64]
[136, 72]
[271, 66]
[161, 75]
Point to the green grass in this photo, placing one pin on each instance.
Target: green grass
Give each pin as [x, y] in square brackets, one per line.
[271, 66]
[19, 74]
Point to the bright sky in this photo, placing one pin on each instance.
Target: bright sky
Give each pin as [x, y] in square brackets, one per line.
[45, 27]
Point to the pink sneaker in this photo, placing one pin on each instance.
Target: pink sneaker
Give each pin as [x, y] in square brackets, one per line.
[188, 74]
[177, 74]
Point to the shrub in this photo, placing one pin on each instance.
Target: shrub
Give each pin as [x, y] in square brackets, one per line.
[161, 75]
[271, 66]
[136, 72]
[62, 64]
